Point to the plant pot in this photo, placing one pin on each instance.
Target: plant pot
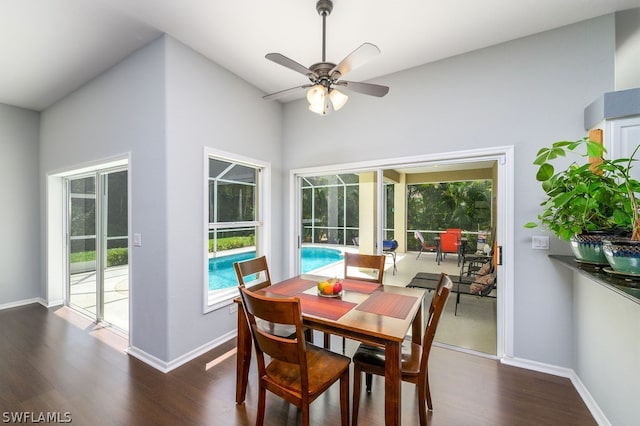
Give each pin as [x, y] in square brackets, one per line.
[623, 255]
[587, 247]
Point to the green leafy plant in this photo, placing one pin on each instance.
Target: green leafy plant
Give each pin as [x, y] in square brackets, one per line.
[587, 197]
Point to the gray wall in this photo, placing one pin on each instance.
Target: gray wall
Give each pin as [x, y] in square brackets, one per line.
[19, 214]
[122, 112]
[163, 105]
[526, 93]
[208, 107]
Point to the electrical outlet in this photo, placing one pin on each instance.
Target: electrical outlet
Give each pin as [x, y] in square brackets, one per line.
[540, 242]
[233, 308]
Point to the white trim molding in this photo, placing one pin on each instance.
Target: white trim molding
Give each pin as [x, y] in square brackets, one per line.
[166, 367]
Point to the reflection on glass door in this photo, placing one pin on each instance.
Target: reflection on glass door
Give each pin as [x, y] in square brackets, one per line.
[82, 244]
[338, 213]
[97, 218]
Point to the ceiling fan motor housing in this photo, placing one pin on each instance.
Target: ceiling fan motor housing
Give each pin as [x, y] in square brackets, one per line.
[324, 7]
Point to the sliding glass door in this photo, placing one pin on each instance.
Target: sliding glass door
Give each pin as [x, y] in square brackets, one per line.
[338, 212]
[97, 246]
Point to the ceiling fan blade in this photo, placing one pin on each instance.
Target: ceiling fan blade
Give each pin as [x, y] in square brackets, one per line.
[291, 64]
[285, 92]
[362, 54]
[364, 88]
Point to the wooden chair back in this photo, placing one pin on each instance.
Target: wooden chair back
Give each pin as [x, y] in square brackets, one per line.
[297, 372]
[253, 271]
[438, 301]
[285, 311]
[371, 262]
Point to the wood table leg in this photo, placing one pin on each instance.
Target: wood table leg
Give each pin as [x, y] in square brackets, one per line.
[416, 326]
[393, 384]
[243, 356]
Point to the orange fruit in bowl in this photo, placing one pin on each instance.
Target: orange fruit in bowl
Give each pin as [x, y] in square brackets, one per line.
[328, 289]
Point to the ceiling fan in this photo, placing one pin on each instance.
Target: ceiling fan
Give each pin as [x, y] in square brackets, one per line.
[323, 96]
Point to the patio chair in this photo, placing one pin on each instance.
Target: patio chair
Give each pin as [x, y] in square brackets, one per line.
[479, 271]
[449, 243]
[389, 248]
[298, 372]
[423, 244]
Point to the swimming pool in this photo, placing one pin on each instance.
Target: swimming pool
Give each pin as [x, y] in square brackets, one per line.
[222, 275]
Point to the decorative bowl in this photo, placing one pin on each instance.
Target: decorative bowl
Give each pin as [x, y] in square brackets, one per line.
[331, 295]
[587, 247]
[623, 255]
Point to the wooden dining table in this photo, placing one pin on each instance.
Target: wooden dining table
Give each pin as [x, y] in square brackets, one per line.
[368, 312]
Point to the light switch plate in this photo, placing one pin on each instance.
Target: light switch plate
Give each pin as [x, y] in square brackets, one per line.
[137, 240]
[540, 242]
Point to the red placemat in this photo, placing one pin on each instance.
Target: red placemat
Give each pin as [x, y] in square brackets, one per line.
[291, 287]
[388, 304]
[325, 307]
[360, 286]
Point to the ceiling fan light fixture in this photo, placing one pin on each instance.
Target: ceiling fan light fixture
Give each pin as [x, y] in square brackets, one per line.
[338, 99]
[318, 98]
[316, 94]
[321, 93]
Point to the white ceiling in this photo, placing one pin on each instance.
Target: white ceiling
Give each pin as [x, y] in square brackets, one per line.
[49, 48]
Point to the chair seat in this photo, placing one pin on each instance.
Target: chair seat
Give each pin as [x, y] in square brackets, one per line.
[375, 356]
[322, 366]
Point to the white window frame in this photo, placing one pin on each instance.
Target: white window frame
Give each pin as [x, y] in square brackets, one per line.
[213, 300]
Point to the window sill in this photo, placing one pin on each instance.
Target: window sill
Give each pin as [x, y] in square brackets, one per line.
[219, 299]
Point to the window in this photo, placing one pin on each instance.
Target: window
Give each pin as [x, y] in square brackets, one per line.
[234, 226]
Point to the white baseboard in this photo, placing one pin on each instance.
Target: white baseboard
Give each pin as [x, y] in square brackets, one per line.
[166, 367]
[570, 374]
[21, 303]
[51, 304]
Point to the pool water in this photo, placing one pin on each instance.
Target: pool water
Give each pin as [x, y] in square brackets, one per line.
[318, 257]
[222, 275]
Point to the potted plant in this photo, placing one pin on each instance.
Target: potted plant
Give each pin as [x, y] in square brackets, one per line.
[586, 203]
[623, 254]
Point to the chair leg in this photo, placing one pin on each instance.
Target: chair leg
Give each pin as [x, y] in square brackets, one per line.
[327, 337]
[357, 373]
[429, 401]
[344, 345]
[422, 410]
[344, 398]
[368, 378]
[305, 414]
[262, 394]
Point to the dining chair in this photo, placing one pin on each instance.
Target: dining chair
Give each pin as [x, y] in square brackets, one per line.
[253, 271]
[415, 360]
[256, 272]
[362, 267]
[449, 243]
[298, 371]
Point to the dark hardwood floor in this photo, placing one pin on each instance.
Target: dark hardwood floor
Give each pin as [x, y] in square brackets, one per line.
[51, 361]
